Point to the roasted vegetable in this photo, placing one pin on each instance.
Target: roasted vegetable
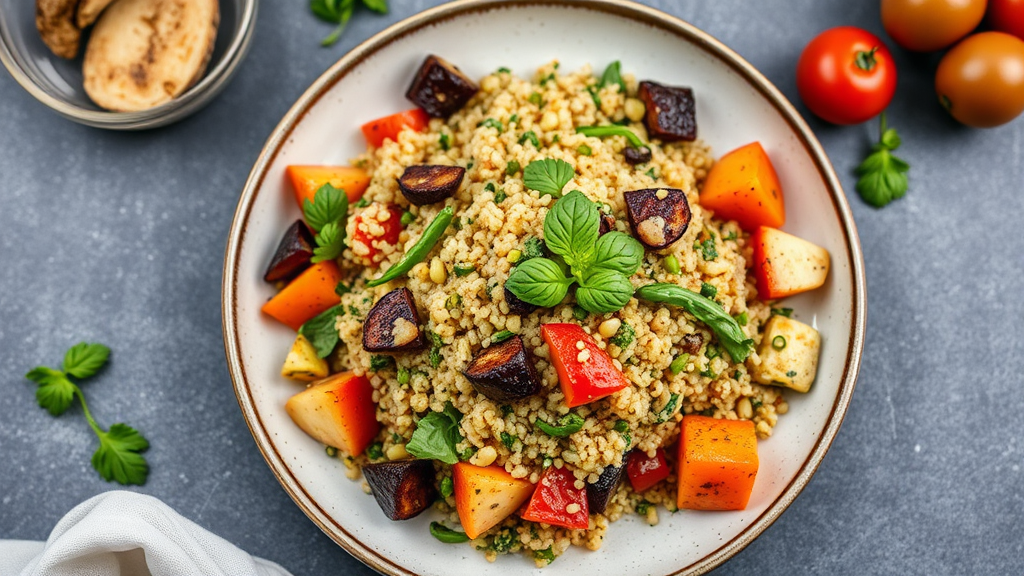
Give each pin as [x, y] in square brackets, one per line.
[389, 127]
[585, 374]
[600, 493]
[558, 501]
[743, 186]
[393, 324]
[606, 225]
[717, 463]
[484, 496]
[427, 184]
[293, 253]
[504, 372]
[670, 112]
[337, 411]
[644, 472]
[692, 343]
[302, 362]
[516, 305]
[440, 88]
[636, 156]
[789, 354]
[659, 216]
[785, 264]
[311, 293]
[403, 488]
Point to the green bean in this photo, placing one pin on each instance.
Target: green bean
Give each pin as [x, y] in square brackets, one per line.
[447, 535]
[707, 311]
[613, 130]
[420, 249]
[566, 425]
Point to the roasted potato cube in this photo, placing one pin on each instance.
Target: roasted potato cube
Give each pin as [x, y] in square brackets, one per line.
[789, 354]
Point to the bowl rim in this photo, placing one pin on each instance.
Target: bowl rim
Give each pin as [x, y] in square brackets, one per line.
[621, 8]
[193, 99]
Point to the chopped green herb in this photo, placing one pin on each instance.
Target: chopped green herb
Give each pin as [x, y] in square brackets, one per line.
[535, 99]
[613, 76]
[363, 202]
[508, 440]
[354, 311]
[707, 373]
[743, 318]
[436, 435]
[546, 462]
[375, 451]
[579, 313]
[708, 291]
[447, 486]
[731, 236]
[787, 312]
[624, 336]
[679, 363]
[500, 196]
[546, 554]
[331, 451]
[320, 331]
[548, 176]
[594, 90]
[512, 168]
[531, 137]
[708, 250]
[341, 289]
[670, 408]
[513, 119]
[445, 142]
[436, 343]
[755, 404]
[452, 302]
[642, 507]
[504, 541]
[712, 352]
[407, 218]
[708, 411]
[672, 264]
[549, 78]
[506, 410]
[462, 270]
[492, 123]
[651, 173]
[791, 374]
[533, 247]
[779, 342]
[566, 425]
[404, 376]
[504, 70]
[501, 337]
[380, 362]
[447, 535]
[584, 150]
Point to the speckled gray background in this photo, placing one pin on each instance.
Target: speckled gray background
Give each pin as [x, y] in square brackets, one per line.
[119, 238]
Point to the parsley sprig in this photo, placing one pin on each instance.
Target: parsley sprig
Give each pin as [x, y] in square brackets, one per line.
[600, 265]
[326, 215]
[117, 459]
[883, 177]
[340, 12]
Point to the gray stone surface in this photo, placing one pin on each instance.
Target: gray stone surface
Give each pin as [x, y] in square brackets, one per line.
[119, 238]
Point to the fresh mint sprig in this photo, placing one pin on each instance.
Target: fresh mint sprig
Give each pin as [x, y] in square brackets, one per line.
[601, 265]
[326, 215]
[118, 457]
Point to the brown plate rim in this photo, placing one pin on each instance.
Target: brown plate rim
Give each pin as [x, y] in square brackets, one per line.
[621, 8]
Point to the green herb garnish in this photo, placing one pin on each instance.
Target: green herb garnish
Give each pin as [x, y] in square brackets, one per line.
[375, 451]
[508, 440]
[613, 75]
[445, 141]
[447, 535]
[331, 451]
[379, 362]
[642, 507]
[742, 318]
[118, 457]
[707, 249]
[531, 137]
[462, 270]
[579, 313]
[568, 424]
[326, 216]
[447, 486]
[320, 330]
[611, 130]
[670, 408]
[499, 338]
[787, 312]
[404, 376]
[492, 123]
[624, 336]
[547, 554]
[726, 329]
[407, 218]
[535, 99]
[679, 363]
[584, 150]
[883, 177]
[431, 235]
[436, 435]
[548, 176]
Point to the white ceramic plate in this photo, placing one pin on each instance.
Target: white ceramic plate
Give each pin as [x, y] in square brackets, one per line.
[735, 105]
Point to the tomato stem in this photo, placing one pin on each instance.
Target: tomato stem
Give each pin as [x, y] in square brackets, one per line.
[866, 60]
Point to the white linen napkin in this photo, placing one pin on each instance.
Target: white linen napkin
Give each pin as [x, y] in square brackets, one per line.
[123, 533]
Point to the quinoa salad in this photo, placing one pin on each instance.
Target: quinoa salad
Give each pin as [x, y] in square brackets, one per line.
[535, 305]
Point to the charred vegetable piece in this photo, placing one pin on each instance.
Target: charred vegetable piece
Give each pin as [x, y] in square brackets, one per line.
[404, 488]
[517, 305]
[606, 224]
[440, 88]
[393, 325]
[422, 185]
[293, 253]
[692, 343]
[504, 371]
[659, 217]
[671, 113]
[636, 156]
[600, 493]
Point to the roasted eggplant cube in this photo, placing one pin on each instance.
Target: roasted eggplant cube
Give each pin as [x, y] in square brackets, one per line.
[422, 185]
[692, 343]
[393, 325]
[517, 305]
[671, 112]
[440, 88]
[658, 216]
[293, 253]
[504, 372]
[403, 488]
[600, 493]
[636, 156]
[606, 224]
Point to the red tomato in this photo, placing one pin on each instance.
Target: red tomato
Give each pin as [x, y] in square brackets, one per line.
[558, 501]
[586, 380]
[846, 75]
[1007, 16]
[376, 131]
[644, 471]
[368, 235]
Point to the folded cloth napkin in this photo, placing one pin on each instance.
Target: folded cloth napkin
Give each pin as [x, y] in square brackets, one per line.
[123, 533]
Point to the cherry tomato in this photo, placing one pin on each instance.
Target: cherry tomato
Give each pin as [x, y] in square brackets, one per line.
[981, 80]
[846, 75]
[927, 25]
[1007, 16]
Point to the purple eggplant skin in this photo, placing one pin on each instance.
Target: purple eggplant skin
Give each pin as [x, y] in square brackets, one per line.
[402, 488]
[606, 224]
[635, 156]
[657, 222]
[518, 306]
[379, 325]
[600, 493]
[293, 253]
[426, 184]
[504, 372]
[671, 112]
[440, 88]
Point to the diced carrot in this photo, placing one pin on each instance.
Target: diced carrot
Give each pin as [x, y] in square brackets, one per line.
[743, 186]
[306, 180]
[717, 463]
[309, 294]
[376, 131]
[484, 496]
[337, 411]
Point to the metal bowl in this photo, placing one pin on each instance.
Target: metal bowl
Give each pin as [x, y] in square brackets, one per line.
[57, 82]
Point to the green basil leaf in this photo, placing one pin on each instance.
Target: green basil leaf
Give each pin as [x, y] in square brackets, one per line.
[320, 330]
[329, 205]
[436, 436]
[548, 176]
[725, 327]
[330, 243]
[604, 291]
[539, 281]
[619, 252]
[571, 228]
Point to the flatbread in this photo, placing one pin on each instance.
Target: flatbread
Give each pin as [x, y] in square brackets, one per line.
[55, 21]
[89, 11]
[143, 53]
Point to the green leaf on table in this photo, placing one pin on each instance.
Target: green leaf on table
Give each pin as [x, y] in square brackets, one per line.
[883, 176]
[83, 360]
[55, 392]
[378, 6]
[118, 459]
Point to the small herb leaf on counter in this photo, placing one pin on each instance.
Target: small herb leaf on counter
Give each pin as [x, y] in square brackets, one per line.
[340, 12]
[436, 436]
[883, 177]
[548, 176]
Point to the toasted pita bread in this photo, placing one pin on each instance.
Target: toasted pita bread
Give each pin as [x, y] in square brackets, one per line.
[89, 11]
[143, 53]
[55, 21]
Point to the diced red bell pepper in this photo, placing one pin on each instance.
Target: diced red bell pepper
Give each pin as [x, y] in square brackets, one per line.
[585, 374]
[363, 238]
[376, 131]
[557, 501]
[644, 471]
